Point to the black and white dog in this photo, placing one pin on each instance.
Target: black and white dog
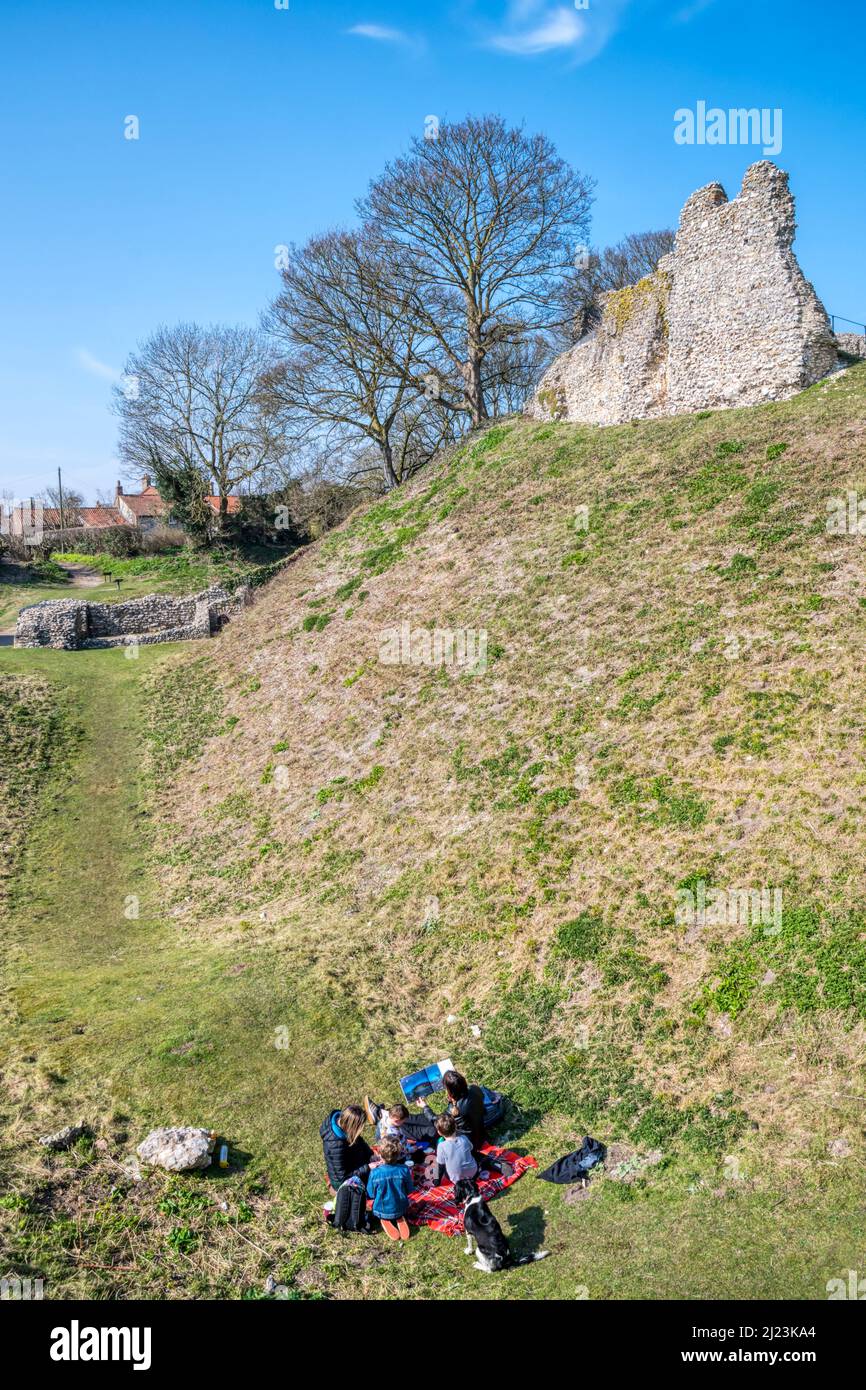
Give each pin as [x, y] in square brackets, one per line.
[484, 1231]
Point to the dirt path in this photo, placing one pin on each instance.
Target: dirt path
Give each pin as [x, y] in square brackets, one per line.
[83, 577]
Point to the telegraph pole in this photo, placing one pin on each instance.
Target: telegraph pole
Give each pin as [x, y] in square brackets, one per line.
[60, 497]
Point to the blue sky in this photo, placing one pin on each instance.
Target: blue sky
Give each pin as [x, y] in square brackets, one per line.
[260, 125]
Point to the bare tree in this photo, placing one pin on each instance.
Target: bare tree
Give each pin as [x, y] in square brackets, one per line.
[613, 268]
[192, 395]
[69, 502]
[635, 256]
[482, 225]
[355, 380]
[512, 371]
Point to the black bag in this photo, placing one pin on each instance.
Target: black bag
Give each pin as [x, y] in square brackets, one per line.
[577, 1165]
[494, 1107]
[350, 1208]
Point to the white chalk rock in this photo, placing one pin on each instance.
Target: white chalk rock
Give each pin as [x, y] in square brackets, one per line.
[177, 1149]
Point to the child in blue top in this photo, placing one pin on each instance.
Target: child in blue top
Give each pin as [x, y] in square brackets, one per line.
[389, 1187]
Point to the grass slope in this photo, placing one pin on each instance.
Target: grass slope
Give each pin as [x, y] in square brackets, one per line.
[390, 863]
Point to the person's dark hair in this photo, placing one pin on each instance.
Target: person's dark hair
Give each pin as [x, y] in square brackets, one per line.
[446, 1125]
[391, 1151]
[455, 1085]
[398, 1112]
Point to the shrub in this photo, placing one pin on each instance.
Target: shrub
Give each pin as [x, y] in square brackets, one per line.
[161, 540]
[119, 541]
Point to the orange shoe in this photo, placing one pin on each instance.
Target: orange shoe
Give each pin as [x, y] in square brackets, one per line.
[390, 1230]
[403, 1228]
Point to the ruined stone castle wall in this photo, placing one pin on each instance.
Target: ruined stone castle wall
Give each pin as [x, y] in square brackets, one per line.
[852, 343]
[148, 614]
[727, 320]
[618, 371]
[72, 624]
[746, 326]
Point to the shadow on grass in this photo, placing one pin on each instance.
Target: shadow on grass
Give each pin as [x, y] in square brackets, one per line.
[238, 1160]
[527, 1230]
[515, 1124]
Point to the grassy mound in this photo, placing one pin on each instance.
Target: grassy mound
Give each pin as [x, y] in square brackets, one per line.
[669, 713]
[613, 867]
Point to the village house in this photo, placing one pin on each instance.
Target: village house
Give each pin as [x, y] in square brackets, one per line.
[145, 510]
[29, 518]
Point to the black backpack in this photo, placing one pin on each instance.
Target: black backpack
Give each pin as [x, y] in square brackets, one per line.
[350, 1208]
[494, 1107]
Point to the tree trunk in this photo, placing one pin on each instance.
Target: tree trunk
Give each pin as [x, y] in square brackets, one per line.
[391, 479]
[472, 373]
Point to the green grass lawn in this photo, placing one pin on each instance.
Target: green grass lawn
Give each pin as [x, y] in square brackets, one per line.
[180, 571]
[126, 1019]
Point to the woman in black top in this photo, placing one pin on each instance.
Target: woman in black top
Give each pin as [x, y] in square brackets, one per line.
[345, 1149]
[466, 1104]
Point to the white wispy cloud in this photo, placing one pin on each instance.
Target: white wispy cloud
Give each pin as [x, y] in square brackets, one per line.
[380, 33]
[92, 364]
[532, 28]
[529, 28]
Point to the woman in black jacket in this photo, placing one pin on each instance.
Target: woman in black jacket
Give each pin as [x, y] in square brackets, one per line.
[346, 1152]
[466, 1104]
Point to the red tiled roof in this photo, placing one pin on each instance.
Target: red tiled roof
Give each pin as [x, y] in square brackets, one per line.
[75, 518]
[28, 514]
[149, 503]
[98, 517]
[145, 504]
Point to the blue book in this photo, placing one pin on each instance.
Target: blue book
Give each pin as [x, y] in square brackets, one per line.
[423, 1083]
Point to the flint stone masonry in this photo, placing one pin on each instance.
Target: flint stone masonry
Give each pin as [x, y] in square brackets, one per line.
[73, 624]
[852, 343]
[728, 319]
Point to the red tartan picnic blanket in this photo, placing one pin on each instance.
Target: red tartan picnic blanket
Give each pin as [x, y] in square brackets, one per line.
[435, 1206]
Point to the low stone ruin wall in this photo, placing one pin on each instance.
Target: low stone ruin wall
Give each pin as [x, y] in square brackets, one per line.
[73, 624]
[150, 614]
